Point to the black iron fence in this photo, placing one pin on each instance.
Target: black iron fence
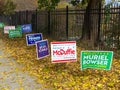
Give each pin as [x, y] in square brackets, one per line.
[66, 24]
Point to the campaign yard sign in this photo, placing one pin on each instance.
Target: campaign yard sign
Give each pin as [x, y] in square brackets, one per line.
[64, 51]
[42, 49]
[15, 33]
[19, 27]
[7, 28]
[32, 38]
[26, 28]
[1, 25]
[96, 59]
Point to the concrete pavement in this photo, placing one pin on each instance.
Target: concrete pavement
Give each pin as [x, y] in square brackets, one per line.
[12, 78]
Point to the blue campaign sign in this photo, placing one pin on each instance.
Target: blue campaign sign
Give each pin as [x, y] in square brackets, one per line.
[32, 38]
[42, 49]
[26, 28]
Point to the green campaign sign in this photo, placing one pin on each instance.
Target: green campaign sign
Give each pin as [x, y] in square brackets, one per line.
[19, 27]
[96, 59]
[1, 25]
[15, 33]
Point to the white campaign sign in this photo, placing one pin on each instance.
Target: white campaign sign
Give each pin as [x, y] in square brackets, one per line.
[63, 51]
[7, 28]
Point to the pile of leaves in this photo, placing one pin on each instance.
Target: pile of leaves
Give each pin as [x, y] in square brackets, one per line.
[61, 76]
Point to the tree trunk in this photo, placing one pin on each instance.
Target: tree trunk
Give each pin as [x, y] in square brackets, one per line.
[90, 25]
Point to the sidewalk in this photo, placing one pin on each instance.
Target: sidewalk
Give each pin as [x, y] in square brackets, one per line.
[12, 78]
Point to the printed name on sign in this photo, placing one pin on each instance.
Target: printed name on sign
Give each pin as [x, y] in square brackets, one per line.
[96, 59]
[15, 33]
[69, 51]
[32, 38]
[63, 51]
[42, 49]
[26, 28]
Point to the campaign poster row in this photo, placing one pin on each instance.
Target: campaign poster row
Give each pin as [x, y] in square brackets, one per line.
[16, 31]
[60, 51]
[65, 51]
[41, 45]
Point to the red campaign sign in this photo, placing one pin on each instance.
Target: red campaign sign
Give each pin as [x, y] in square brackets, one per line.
[63, 51]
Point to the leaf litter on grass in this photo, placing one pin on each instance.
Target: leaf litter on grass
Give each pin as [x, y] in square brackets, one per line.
[62, 76]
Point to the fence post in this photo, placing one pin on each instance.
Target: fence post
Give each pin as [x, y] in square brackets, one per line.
[19, 21]
[10, 19]
[99, 21]
[15, 16]
[67, 22]
[26, 16]
[48, 22]
[36, 21]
